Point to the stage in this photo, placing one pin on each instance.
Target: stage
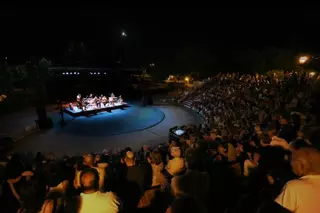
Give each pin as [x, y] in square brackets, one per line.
[75, 112]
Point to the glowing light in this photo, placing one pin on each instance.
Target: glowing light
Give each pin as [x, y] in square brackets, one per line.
[186, 79]
[123, 34]
[311, 74]
[98, 73]
[75, 73]
[303, 59]
[63, 73]
[67, 73]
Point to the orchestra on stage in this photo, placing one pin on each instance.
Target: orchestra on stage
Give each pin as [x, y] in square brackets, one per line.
[92, 102]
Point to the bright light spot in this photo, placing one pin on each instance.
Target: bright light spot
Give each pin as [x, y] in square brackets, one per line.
[6, 58]
[105, 73]
[75, 73]
[98, 73]
[186, 79]
[67, 73]
[123, 34]
[303, 59]
[90, 73]
[311, 74]
[94, 73]
[63, 73]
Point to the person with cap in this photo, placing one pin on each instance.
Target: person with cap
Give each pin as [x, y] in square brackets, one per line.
[135, 172]
[137, 179]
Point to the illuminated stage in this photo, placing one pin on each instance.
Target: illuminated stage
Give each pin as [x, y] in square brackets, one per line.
[75, 111]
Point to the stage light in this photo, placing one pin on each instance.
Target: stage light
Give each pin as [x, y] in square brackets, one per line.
[105, 73]
[98, 73]
[94, 73]
[90, 73]
[63, 73]
[67, 73]
[78, 73]
[75, 73]
[303, 59]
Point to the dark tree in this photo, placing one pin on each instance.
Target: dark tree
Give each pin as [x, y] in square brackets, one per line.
[38, 74]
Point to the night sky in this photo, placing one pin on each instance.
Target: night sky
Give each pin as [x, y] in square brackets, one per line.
[153, 34]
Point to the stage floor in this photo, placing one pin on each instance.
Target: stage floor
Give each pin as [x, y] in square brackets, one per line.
[120, 121]
[134, 126]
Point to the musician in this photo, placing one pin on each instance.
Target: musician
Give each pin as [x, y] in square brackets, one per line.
[104, 100]
[96, 101]
[78, 97]
[71, 107]
[79, 100]
[120, 100]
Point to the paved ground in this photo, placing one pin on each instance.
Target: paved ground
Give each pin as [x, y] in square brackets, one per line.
[83, 135]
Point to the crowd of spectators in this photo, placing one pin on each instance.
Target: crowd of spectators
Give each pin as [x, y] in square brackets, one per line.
[256, 152]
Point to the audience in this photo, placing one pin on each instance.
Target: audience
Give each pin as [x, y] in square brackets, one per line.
[257, 151]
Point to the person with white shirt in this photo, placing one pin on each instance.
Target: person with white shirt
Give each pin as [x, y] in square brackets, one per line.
[93, 200]
[302, 195]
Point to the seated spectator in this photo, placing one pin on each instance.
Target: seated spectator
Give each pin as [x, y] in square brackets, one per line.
[272, 207]
[93, 200]
[301, 195]
[57, 185]
[287, 130]
[222, 154]
[193, 182]
[158, 180]
[185, 204]
[137, 179]
[11, 188]
[176, 164]
[31, 193]
[277, 141]
[297, 144]
[252, 161]
[88, 162]
[155, 159]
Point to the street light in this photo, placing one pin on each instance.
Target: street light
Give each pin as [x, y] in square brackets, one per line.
[303, 59]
